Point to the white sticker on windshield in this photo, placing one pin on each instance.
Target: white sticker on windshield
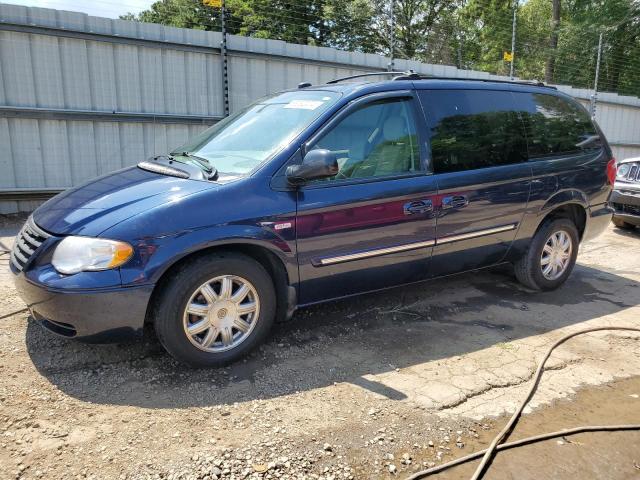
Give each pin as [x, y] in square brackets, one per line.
[304, 104]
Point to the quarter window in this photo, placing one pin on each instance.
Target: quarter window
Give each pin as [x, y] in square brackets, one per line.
[470, 129]
[378, 139]
[555, 126]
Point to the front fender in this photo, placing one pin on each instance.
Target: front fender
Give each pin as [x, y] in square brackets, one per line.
[154, 256]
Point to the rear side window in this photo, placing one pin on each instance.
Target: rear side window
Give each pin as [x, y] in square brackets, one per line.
[555, 126]
[470, 129]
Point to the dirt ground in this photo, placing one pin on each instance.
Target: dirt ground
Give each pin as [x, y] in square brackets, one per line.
[374, 387]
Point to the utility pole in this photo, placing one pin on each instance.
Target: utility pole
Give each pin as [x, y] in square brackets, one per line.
[550, 66]
[594, 97]
[513, 38]
[392, 39]
[223, 55]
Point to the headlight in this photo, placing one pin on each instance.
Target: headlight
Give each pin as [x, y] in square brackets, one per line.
[623, 170]
[77, 254]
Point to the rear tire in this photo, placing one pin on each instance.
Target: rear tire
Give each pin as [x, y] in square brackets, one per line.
[622, 224]
[551, 255]
[215, 309]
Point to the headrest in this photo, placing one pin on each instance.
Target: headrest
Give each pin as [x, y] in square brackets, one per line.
[394, 128]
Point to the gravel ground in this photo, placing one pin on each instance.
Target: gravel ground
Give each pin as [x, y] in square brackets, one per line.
[373, 387]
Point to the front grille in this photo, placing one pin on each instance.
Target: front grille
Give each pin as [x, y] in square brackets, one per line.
[628, 209]
[26, 243]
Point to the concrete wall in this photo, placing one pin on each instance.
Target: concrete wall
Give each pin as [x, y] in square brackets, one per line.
[81, 96]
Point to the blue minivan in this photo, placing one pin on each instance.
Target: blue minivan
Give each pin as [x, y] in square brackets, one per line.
[315, 194]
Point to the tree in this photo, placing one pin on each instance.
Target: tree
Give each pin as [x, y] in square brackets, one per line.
[487, 26]
[533, 30]
[180, 13]
[583, 21]
[350, 25]
[419, 26]
[296, 22]
[552, 43]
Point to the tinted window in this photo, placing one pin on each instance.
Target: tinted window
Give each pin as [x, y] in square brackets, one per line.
[378, 139]
[555, 125]
[471, 129]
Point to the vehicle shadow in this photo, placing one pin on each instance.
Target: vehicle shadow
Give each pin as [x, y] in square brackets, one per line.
[627, 233]
[344, 341]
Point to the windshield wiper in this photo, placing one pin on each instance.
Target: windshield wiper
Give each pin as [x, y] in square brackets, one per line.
[210, 170]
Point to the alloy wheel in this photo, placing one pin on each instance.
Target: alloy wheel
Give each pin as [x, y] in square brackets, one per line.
[221, 313]
[556, 255]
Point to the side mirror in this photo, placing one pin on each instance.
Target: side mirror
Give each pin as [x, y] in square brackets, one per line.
[315, 165]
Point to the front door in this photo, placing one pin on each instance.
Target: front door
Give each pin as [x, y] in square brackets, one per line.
[479, 157]
[373, 224]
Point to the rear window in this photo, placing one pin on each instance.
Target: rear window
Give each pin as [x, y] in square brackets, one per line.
[555, 126]
[470, 129]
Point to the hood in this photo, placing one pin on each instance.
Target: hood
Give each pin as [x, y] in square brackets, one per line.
[92, 208]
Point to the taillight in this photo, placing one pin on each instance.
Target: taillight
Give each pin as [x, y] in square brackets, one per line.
[612, 170]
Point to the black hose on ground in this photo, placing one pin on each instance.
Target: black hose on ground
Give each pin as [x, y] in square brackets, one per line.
[487, 454]
[521, 442]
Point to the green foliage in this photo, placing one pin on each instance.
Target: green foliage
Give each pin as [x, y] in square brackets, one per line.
[295, 22]
[619, 21]
[180, 13]
[487, 34]
[471, 34]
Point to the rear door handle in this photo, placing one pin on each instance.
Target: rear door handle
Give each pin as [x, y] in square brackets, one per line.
[455, 201]
[418, 206]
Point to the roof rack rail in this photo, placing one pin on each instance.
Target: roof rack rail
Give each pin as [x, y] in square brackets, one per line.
[411, 75]
[384, 72]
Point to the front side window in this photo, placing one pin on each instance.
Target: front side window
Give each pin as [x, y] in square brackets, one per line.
[555, 126]
[470, 129]
[378, 139]
[241, 142]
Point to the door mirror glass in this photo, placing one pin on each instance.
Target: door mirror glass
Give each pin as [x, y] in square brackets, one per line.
[317, 164]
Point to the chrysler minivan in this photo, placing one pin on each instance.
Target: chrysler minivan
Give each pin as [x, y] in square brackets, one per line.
[315, 194]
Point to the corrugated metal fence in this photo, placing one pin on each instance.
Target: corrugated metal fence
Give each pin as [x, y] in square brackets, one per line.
[81, 96]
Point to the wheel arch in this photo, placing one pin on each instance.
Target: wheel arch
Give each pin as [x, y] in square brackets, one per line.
[275, 266]
[569, 205]
[574, 211]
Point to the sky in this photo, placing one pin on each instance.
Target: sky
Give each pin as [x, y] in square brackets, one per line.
[99, 8]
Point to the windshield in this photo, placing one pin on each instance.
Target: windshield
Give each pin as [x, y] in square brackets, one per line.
[241, 142]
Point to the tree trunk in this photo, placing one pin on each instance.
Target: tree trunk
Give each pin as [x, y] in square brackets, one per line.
[553, 42]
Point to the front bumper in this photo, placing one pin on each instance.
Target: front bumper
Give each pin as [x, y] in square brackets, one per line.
[98, 315]
[626, 206]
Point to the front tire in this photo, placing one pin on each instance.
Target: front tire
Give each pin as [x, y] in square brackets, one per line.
[215, 309]
[550, 257]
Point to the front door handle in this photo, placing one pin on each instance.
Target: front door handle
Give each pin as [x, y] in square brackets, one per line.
[418, 206]
[455, 201]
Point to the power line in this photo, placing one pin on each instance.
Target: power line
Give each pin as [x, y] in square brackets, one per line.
[446, 43]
